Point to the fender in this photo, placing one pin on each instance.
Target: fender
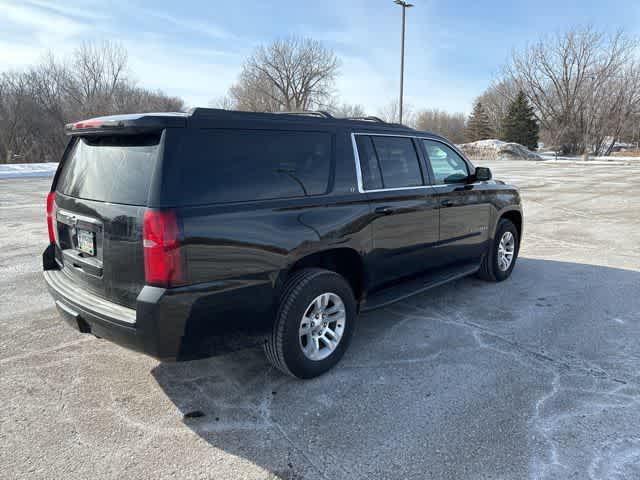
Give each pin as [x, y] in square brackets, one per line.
[505, 210]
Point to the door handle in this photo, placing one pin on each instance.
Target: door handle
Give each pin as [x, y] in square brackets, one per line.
[446, 203]
[384, 210]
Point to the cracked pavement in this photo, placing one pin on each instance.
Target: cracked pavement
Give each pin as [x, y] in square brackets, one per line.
[537, 377]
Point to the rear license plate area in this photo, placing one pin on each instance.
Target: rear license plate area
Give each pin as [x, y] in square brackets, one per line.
[86, 242]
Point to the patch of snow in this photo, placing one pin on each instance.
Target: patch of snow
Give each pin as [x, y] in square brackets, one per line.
[20, 170]
[490, 143]
[494, 149]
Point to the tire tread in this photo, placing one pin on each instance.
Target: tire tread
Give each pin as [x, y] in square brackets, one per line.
[274, 342]
[486, 271]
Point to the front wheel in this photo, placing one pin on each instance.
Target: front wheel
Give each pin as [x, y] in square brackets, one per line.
[500, 259]
[314, 323]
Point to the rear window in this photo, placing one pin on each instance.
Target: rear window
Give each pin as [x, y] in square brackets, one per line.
[219, 166]
[110, 169]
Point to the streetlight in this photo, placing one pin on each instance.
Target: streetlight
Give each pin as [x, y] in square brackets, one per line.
[404, 6]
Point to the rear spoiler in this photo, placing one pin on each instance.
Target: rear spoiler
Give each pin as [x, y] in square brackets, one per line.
[126, 124]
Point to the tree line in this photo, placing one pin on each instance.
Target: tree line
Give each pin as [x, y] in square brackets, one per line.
[583, 86]
[35, 104]
[578, 91]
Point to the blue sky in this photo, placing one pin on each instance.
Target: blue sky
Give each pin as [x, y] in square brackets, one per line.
[194, 49]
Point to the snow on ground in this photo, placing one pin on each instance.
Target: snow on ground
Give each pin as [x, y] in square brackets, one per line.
[617, 160]
[18, 170]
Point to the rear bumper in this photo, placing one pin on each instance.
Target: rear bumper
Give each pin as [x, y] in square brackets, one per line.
[167, 324]
[156, 327]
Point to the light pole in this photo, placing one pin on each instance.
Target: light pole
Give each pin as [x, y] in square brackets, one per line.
[404, 6]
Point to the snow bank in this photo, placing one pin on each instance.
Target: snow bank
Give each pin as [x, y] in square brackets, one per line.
[19, 170]
[497, 150]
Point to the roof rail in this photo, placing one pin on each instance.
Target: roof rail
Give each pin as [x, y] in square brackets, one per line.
[369, 118]
[310, 113]
[199, 112]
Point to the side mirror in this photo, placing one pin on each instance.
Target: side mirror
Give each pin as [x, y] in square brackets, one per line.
[483, 174]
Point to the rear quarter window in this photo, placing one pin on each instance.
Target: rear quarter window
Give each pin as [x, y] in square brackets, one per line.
[114, 169]
[220, 166]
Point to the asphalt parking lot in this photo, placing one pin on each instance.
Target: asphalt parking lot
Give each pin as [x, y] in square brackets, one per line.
[537, 377]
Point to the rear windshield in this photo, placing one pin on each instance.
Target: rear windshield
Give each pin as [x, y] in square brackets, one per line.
[219, 166]
[115, 169]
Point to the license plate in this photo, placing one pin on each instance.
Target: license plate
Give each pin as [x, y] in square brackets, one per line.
[87, 242]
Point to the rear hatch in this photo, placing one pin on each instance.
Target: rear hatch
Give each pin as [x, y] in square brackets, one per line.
[101, 192]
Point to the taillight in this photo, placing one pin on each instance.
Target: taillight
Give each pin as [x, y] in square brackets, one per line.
[51, 197]
[161, 243]
[94, 123]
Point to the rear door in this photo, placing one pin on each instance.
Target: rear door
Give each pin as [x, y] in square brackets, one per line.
[464, 210]
[405, 223]
[101, 194]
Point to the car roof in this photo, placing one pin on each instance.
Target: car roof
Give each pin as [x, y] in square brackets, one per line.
[216, 118]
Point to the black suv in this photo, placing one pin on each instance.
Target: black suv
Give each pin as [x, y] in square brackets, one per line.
[167, 228]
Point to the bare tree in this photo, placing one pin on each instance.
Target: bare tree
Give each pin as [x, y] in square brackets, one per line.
[16, 106]
[224, 102]
[98, 71]
[584, 85]
[35, 104]
[346, 110]
[449, 125]
[496, 100]
[390, 112]
[291, 74]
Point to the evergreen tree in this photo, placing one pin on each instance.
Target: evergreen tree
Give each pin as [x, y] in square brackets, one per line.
[478, 125]
[519, 124]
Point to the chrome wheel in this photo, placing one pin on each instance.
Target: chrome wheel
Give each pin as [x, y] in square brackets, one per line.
[506, 251]
[322, 326]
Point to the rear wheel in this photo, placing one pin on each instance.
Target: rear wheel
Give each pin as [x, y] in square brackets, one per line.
[314, 323]
[500, 259]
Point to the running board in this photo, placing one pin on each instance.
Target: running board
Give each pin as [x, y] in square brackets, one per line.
[418, 285]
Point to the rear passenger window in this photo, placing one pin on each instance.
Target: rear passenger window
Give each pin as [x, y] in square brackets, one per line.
[398, 162]
[369, 166]
[229, 166]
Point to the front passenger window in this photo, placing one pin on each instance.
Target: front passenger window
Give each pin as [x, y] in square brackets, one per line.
[447, 165]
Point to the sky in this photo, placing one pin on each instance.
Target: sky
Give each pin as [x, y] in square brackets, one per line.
[195, 49]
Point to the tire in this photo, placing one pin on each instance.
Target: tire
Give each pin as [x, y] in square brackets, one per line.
[490, 269]
[285, 345]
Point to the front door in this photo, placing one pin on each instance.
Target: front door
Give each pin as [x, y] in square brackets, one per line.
[464, 207]
[404, 207]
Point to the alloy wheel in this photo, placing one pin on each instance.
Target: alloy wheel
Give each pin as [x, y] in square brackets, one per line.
[322, 326]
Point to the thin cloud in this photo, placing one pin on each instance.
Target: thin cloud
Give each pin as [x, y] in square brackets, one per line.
[202, 28]
[41, 21]
[68, 11]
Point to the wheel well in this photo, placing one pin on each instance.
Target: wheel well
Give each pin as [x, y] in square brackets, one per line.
[344, 261]
[515, 217]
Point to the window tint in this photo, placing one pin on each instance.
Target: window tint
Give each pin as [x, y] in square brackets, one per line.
[447, 165]
[110, 169]
[398, 162]
[369, 167]
[229, 166]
